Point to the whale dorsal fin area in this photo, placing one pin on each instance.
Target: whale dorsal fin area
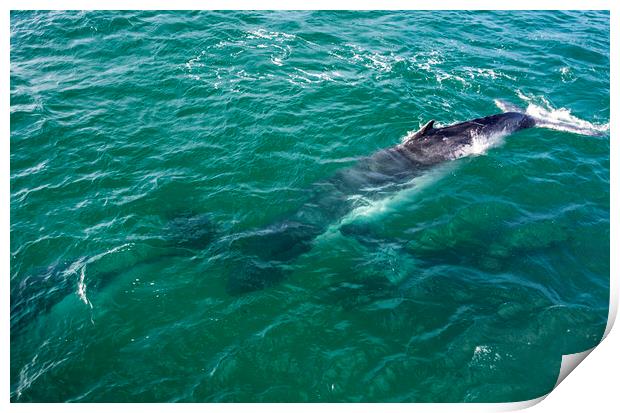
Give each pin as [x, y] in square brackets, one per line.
[424, 129]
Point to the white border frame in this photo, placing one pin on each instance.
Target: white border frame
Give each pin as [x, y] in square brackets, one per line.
[591, 386]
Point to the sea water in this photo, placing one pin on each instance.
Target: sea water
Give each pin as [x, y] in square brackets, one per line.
[143, 142]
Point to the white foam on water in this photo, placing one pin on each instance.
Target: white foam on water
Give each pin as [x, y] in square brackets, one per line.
[485, 356]
[81, 288]
[427, 60]
[354, 54]
[303, 78]
[562, 120]
[320, 76]
[431, 62]
[204, 67]
[474, 72]
[567, 75]
[195, 61]
[547, 116]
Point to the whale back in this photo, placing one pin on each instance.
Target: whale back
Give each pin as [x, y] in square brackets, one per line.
[508, 122]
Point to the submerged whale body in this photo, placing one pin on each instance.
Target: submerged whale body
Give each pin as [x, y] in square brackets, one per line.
[38, 292]
[260, 258]
[264, 253]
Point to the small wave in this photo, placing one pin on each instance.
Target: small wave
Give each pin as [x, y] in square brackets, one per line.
[265, 34]
[35, 369]
[81, 266]
[354, 54]
[567, 75]
[31, 171]
[427, 60]
[208, 66]
[303, 77]
[195, 61]
[473, 72]
[559, 119]
[440, 76]
[431, 62]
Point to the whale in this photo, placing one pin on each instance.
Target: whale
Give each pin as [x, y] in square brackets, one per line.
[263, 254]
[261, 257]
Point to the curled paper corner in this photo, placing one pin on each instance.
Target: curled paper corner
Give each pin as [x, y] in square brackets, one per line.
[569, 363]
[514, 406]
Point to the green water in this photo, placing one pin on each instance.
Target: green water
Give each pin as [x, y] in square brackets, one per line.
[143, 142]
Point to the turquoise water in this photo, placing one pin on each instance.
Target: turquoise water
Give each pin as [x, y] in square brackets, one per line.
[144, 145]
